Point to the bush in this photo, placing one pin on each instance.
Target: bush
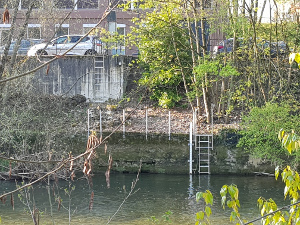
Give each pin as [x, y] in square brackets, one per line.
[260, 128]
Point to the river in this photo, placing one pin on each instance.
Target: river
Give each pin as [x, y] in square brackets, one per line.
[154, 196]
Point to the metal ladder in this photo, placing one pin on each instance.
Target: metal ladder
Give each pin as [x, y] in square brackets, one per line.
[203, 147]
[98, 76]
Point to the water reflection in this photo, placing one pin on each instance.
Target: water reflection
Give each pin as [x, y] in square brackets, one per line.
[157, 194]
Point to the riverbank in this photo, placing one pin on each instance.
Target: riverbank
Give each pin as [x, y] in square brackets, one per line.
[151, 119]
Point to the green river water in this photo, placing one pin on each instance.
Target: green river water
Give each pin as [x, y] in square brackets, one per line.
[153, 196]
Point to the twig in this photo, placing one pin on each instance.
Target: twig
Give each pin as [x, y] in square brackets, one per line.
[268, 214]
[28, 161]
[63, 163]
[129, 194]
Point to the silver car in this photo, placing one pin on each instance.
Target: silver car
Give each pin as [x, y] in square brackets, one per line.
[89, 45]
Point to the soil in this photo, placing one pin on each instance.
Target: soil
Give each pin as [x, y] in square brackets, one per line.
[159, 120]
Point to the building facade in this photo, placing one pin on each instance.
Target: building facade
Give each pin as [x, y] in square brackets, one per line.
[51, 18]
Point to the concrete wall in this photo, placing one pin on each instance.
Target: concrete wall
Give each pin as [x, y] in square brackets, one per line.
[79, 75]
[161, 155]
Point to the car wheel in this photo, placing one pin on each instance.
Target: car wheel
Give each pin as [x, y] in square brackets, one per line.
[90, 52]
[41, 52]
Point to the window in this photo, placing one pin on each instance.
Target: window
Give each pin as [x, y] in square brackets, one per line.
[121, 31]
[87, 4]
[88, 27]
[64, 4]
[5, 4]
[207, 3]
[113, 3]
[61, 30]
[4, 33]
[34, 31]
[120, 45]
[25, 4]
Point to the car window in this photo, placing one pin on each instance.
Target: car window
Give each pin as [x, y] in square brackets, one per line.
[85, 39]
[25, 44]
[61, 40]
[74, 39]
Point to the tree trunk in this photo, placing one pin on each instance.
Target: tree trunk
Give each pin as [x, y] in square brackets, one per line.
[8, 42]
[20, 37]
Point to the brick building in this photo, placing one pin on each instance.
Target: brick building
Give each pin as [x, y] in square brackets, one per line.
[47, 16]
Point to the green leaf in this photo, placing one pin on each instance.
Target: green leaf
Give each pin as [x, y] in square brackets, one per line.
[233, 216]
[223, 191]
[209, 197]
[208, 211]
[200, 215]
[280, 134]
[199, 195]
[276, 172]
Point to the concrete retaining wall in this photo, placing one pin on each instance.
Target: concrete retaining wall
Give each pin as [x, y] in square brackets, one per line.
[79, 75]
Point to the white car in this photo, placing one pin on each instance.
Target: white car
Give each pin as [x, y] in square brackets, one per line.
[89, 45]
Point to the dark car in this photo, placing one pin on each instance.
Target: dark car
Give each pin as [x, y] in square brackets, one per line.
[279, 48]
[275, 49]
[24, 46]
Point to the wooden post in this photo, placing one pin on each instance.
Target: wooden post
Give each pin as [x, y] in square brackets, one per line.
[100, 123]
[146, 122]
[169, 125]
[123, 123]
[191, 148]
[88, 112]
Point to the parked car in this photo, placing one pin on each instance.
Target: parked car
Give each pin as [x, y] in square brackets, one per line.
[279, 48]
[89, 45]
[24, 46]
[226, 46]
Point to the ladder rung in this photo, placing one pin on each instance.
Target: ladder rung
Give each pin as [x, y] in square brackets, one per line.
[203, 166]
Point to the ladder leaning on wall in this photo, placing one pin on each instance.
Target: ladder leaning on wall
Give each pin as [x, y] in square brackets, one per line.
[203, 148]
[201, 145]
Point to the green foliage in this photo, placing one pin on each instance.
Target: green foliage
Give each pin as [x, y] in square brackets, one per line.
[215, 68]
[166, 217]
[270, 213]
[290, 141]
[162, 40]
[233, 202]
[202, 217]
[260, 127]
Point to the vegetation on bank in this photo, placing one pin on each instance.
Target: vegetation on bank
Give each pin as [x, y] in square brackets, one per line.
[178, 69]
[177, 62]
[270, 213]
